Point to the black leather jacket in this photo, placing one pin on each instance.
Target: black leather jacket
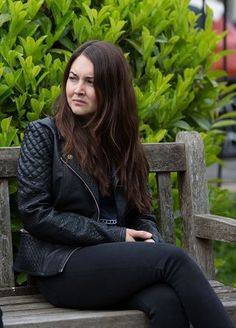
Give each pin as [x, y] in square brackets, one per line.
[59, 205]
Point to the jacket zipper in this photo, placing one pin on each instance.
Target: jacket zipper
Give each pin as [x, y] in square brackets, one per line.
[67, 258]
[85, 183]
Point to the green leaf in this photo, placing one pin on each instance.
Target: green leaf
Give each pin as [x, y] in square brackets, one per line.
[159, 136]
[33, 7]
[182, 125]
[4, 18]
[33, 48]
[5, 124]
[21, 278]
[91, 13]
[223, 124]
[37, 106]
[103, 14]
[3, 89]
[202, 122]
[228, 115]
[12, 78]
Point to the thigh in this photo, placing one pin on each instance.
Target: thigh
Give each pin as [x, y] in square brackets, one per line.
[103, 275]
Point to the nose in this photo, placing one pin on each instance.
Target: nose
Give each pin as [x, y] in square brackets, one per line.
[79, 89]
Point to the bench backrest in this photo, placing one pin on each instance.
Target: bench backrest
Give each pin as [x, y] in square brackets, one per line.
[185, 156]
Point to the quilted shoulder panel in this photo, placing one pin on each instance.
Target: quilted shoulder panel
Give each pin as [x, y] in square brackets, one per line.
[36, 152]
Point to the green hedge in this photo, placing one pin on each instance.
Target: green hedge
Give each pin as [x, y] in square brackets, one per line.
[171, 61]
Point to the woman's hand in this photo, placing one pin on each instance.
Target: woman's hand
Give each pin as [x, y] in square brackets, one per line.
[135, 235]
[150, 240]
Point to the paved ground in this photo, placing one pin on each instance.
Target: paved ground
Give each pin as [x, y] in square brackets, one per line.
[228, 173]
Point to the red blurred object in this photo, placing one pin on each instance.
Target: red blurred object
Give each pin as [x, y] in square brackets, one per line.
[231, 45]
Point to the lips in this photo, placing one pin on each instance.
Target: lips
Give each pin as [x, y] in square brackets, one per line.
[79, 102]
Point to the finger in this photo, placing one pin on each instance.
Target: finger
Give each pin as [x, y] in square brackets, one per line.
[141, 234]
[130, 238]
[149, 240]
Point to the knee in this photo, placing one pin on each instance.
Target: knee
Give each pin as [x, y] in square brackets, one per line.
[175, 258]
[177, 254]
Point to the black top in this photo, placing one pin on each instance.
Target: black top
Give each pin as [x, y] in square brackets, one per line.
[108, 212]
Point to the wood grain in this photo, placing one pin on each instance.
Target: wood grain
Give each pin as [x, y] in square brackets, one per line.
[194, 200]
[8, 161]
[6, 256]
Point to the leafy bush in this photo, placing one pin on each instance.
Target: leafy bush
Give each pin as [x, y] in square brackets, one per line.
[171, 60]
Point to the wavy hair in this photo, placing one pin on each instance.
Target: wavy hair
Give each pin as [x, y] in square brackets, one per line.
[110, 137]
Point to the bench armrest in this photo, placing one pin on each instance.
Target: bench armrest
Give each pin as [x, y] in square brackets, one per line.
[215, 227]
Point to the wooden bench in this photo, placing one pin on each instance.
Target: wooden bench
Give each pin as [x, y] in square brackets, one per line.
[25, 307]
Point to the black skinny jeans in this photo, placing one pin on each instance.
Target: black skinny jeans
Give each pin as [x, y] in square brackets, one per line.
[159, 279]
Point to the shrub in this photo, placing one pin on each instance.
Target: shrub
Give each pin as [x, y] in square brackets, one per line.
[171, 60]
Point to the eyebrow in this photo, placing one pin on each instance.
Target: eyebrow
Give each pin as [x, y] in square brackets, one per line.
[71, 72]
[88, 76]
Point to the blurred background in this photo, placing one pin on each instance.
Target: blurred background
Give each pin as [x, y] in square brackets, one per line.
[224, 174]
[224, 18]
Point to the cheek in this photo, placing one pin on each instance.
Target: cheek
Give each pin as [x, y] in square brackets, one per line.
[69, 90]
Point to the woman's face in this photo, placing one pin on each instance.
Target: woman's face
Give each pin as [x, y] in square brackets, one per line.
[80, 92]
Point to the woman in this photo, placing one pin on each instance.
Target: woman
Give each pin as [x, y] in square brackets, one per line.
[84, 204]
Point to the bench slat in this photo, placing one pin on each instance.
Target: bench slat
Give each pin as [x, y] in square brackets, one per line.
[194, 200]
[72, 318]
[166, 218]
[15, 300]
[162, 157]
[215, 227]
[165, 157]
[6, 262]
[8, 161]
[26, 306]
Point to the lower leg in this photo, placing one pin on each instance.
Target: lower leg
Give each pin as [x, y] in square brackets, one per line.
[161, 305]
[199, 300]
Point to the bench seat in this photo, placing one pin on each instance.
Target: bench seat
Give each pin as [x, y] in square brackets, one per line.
[33, 311]
[29, 311]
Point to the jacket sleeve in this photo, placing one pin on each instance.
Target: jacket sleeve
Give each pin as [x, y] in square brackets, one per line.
[146, 222]
[35, 203]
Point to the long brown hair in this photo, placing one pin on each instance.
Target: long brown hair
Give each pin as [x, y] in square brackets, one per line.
[111, 135]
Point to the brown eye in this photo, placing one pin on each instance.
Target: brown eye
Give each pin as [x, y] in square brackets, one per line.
[72, 78]
[91, 82]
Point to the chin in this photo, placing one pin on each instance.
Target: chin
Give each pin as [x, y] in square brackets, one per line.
[79, 111]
